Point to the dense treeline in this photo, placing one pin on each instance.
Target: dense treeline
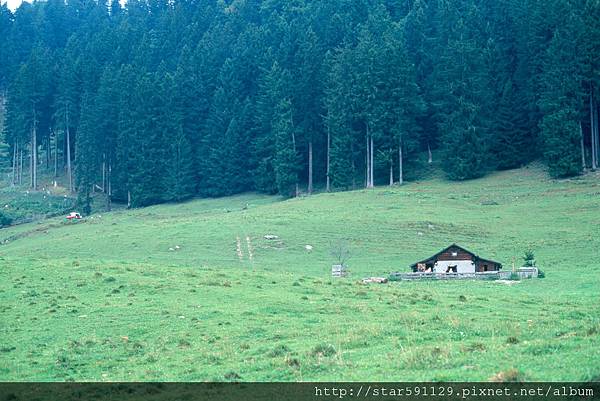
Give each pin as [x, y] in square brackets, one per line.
[163, 100]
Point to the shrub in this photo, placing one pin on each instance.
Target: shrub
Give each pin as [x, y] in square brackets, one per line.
[324, 350]
[512, 340]
[541, 274]
[292, 362]
[279, 350]
[5, 220]
[529, 258]
[232, 376]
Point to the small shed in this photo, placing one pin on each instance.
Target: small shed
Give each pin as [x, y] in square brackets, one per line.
[455, 259]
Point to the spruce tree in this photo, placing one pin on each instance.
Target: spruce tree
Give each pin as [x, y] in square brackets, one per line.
[510, 142]
[561, 99]
[463, 98]
[86, 155]
[285, 160]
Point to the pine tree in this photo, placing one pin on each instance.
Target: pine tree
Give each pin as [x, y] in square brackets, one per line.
[148, 161]
[215, 98]
[86, 155]
[126, 135]
[561, 99]
[225, 145]
[107, 117]
[180, 177]
[271, 88]
[511, 143]
[285, 161]
[306, 93]
[66, 106]
[463, 98]
[423, 42]
[29, 100]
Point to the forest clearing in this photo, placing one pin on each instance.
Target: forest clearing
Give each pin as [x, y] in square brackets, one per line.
[170, 292]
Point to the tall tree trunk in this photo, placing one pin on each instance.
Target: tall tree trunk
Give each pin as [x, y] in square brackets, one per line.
[128, 199]
[597, 132]
[35, 156]
[371, 169]
[297, 184]
[401, 163]
[109, 187]
[310, 167]
[328, 158]
[48, 151]
[68, 139]
[429, 155]
[104, 172]
[21, 167]
[353, 165]
[583, 166]
[368, 164]
[593, 130]
[55, 156]
[391, 168]
[14, 166]
[30, 162]
[34, 152]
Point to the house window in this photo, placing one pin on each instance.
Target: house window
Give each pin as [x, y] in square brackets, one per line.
[454, 253]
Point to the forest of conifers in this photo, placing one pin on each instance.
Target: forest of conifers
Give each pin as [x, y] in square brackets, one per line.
[162, 100]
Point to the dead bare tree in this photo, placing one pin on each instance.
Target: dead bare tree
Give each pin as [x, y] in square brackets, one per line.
[340, 250]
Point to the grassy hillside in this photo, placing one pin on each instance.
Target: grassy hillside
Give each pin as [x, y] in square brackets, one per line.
[164, 293]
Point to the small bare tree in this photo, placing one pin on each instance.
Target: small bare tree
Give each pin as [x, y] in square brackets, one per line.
[340, 250]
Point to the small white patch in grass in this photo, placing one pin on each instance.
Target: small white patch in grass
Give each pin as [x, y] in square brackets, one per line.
[239, 249]
[508, 282]
[249, 244]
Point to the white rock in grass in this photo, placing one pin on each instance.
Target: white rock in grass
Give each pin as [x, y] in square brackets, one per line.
[308, 247]
[177, 247]
[171, 249]
[270, 236]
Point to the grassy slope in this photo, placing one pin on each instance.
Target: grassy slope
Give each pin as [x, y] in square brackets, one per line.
[106, 299]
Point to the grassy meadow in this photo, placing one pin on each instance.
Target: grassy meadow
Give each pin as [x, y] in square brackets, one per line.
[166, 292]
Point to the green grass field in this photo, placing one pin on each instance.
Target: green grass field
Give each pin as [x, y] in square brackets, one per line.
[105, 299]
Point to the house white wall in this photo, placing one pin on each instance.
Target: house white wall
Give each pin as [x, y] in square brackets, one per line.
[462, 266]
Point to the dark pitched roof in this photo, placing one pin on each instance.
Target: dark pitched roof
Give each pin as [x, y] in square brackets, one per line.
[454, 246]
